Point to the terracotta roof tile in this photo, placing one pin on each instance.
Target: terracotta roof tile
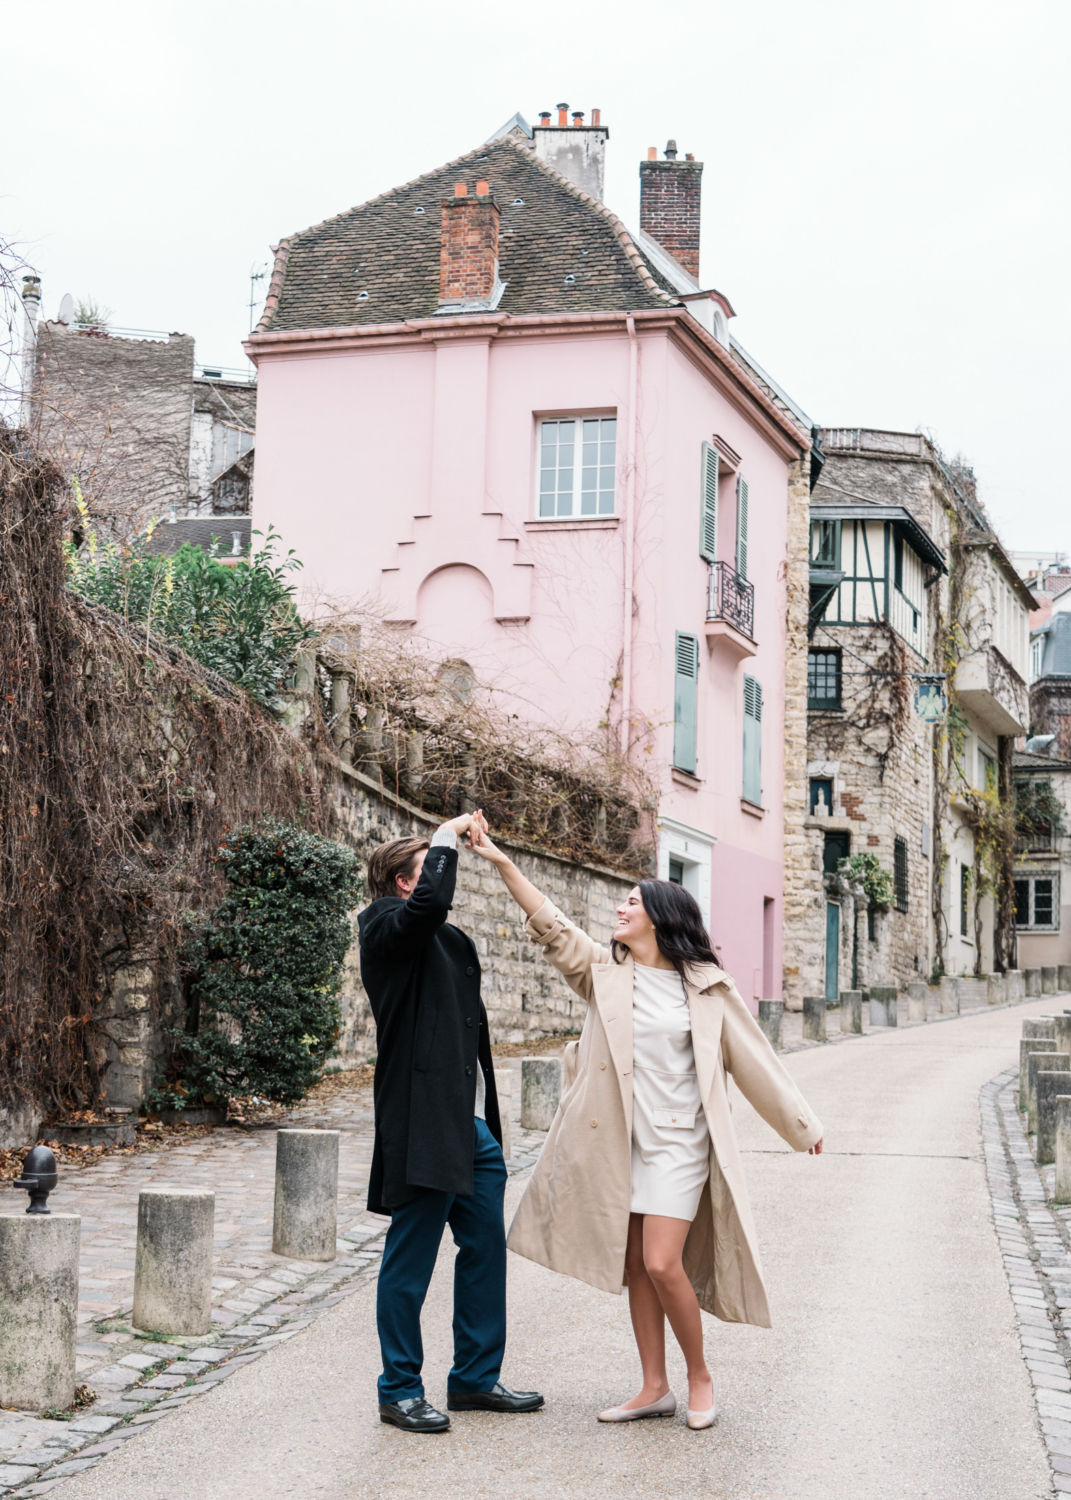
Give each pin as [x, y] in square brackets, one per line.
[386, 248]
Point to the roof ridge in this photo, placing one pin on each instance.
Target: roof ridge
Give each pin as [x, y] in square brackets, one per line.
[628, 244]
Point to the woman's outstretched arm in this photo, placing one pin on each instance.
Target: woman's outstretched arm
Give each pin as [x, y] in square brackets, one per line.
[527, 897]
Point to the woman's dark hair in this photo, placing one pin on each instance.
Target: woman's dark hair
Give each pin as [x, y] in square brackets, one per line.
[678, 925]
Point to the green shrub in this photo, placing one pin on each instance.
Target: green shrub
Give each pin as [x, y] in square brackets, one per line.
[877, 881]
[266, 968]
[240, 620]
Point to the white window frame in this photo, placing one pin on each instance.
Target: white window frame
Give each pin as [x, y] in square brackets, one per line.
[579, 417]
[1032, 876]
[692, 849]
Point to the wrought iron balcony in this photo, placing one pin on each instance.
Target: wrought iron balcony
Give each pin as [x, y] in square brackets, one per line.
[732, 599]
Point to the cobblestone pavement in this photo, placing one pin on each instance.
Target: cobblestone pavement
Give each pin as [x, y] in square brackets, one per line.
[259, 1299]
[893, 1371]
[1035, 1241]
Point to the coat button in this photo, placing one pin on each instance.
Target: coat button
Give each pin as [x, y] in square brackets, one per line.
[594, 1124]
[468, 1072]
[470, 970]
[602, 1065]
[468, 1020]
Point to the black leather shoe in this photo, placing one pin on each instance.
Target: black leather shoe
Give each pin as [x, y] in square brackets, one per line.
[498, 1398]
[413, 1415]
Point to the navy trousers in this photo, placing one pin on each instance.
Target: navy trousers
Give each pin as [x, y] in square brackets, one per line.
[409, 1254]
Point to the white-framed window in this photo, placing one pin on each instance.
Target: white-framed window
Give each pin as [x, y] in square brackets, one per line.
[577, 467]
[1037, 903]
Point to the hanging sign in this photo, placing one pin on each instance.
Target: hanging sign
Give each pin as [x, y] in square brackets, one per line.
[930, 702]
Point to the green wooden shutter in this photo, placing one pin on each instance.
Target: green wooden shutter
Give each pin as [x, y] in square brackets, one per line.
[708, 524]
[685, 701]
[741, 527]
[752, 741]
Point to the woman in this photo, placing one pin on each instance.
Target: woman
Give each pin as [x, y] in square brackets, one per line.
[639, 1182]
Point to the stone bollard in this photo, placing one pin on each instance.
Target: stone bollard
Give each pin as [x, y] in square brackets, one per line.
[38, 1309]
[814, 1018]
[1048, 979]
[851, 1012]
[541, 1089]
[1063, 979]
[771, 1021]
[1051, 1082]
[995, 990]
[1026, 1046]
[883, 1005]
[306, 1194]
[1061, 1033]
[1033, 983]
[1015, 983]
[173, 1262]
[916, 1001]
[1063, 1148]
[949, 995]
[504, 1089]
[1040, 1062]
[1040, 1026]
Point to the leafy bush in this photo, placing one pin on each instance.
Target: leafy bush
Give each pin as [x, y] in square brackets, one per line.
[1039, 812]
[877, 881]
[267, 968]
[240, 620]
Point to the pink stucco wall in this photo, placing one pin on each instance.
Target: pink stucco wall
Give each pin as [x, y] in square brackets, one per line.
[406, 475]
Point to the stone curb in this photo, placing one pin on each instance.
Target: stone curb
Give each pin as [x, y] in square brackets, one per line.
[1035, 1244]
[130, 1407]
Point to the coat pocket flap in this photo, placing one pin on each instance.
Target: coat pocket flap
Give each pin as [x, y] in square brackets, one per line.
[674, 1119]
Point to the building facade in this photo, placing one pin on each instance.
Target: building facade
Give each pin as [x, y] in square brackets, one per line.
[913, 604]
[1043, 859]
[553, 466]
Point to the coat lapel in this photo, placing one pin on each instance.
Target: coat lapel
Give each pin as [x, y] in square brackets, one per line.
[613, 999]
[706, 1004]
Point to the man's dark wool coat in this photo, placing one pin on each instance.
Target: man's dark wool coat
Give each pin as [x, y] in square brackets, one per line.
[422, 976]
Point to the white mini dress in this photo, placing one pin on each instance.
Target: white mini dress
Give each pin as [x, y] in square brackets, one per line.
[670, 1144]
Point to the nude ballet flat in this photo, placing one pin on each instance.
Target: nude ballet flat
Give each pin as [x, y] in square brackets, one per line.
[697, 1420]
[663, 1408]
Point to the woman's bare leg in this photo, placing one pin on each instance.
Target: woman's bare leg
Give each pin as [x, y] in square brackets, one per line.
[663, 1252]
[648, 1319]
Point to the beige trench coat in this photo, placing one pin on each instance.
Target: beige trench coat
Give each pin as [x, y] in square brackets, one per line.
[575, 1212]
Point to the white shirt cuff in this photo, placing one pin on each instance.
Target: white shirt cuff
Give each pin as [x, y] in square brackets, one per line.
[445, 836]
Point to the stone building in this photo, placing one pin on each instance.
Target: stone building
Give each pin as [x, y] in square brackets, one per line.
[148, 434]
[898, 548]
[1043, 858]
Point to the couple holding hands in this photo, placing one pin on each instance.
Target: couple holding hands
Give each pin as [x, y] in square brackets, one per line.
[639, 1183]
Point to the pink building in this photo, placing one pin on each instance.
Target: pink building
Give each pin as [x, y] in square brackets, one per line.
[527, 433]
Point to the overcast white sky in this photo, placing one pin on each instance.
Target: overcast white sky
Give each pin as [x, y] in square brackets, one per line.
[885, 197]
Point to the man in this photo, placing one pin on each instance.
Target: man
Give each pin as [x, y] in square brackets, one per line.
[438, 1145]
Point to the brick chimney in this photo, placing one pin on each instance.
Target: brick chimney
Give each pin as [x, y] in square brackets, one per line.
[468, 256]
[669, 205]
[576, 150]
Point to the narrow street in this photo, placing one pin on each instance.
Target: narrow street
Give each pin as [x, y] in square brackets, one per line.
[893, 1368]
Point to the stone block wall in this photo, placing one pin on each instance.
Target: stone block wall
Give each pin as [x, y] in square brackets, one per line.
[525, 997]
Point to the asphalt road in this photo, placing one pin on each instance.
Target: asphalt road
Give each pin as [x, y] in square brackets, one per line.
[892, 1370]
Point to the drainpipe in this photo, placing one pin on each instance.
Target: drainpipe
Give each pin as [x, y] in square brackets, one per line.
[630, 532]
[31, 302]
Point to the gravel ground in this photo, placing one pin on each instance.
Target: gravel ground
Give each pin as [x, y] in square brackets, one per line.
[893, 1368]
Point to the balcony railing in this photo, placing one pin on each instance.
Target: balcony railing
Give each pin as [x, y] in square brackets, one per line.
[732, 599]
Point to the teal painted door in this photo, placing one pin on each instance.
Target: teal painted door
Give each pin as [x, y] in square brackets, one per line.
[832, 948]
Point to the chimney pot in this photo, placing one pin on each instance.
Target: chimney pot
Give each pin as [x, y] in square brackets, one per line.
[671, 150]
[544, 118]
[460, 190]
[596, 117]
[578, 117]
[563, 114]
[482, 189]
[652, 153]
[688, 156]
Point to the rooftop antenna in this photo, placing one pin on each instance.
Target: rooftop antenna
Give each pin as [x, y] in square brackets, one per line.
[254, 277]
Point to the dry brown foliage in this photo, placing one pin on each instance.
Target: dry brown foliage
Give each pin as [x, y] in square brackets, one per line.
[435, 734]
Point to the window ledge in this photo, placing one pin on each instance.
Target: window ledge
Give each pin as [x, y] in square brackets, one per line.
[574, 523]
[752, 809]
[831, 823]
[685, 778]
[836, 712]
